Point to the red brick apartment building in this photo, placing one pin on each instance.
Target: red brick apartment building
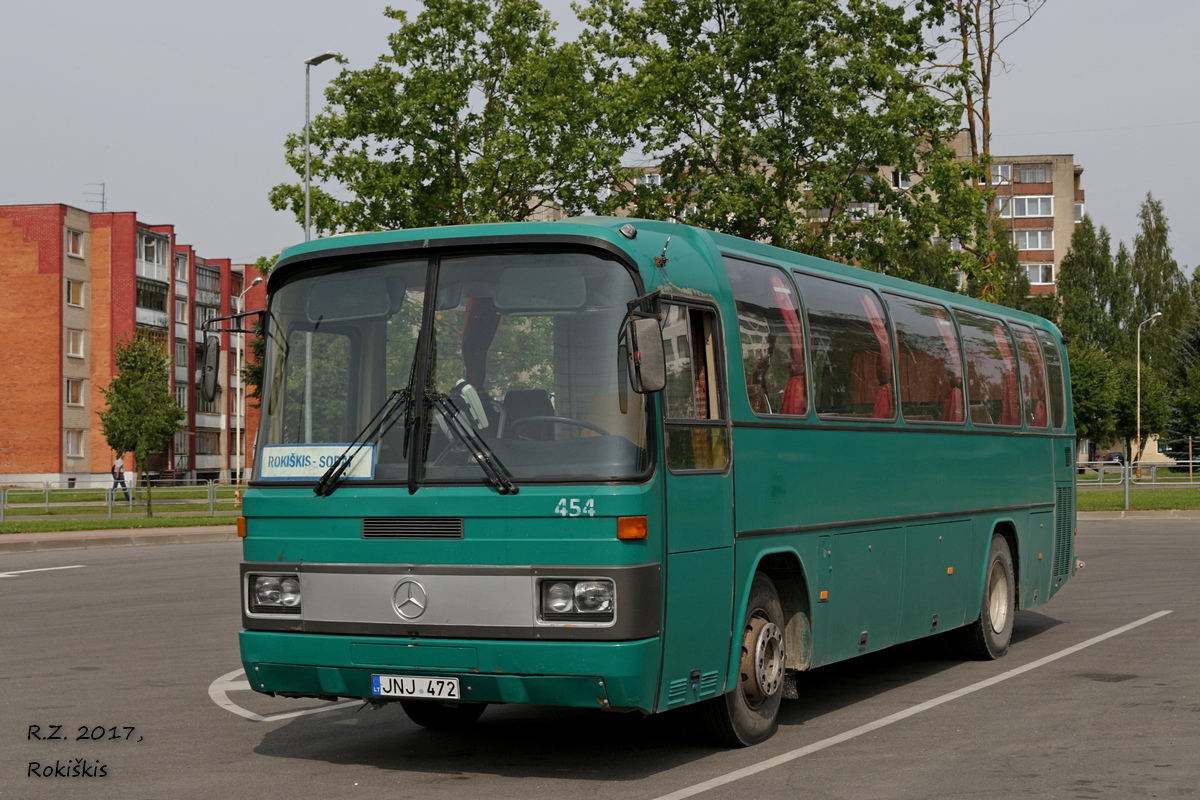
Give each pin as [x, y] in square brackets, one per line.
[72, 285]
[1039, 199]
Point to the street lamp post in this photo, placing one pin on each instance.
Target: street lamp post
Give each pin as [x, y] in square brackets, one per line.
[1147, 320]
[241, 395]
[308, 65]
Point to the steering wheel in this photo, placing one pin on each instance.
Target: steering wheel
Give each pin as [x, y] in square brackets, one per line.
[578, 423]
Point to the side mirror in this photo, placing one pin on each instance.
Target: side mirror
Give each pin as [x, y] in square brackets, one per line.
[647, 361]
[209, 362]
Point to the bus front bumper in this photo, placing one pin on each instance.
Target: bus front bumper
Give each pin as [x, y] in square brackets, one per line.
[620, 676]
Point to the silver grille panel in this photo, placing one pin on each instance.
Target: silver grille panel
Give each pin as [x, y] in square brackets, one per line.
[412, 528]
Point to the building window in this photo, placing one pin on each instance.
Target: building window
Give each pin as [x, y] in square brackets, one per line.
[75, 244]
[74, 392]
[181, 267]
[75, 293]
[74, 343]
[1034, 240]
[901, 180]
[648, 179]
[1019, 207]
[1033, 173]
[1079, 212]
[152, 262]
[1001, 173]
[205, 406]
[181, 352]
[74, 444]
[181, 395]
[208, 443]
[151, 295]
[180, 309]
[1040, 274]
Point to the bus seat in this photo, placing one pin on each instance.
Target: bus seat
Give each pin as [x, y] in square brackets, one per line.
[522, 403]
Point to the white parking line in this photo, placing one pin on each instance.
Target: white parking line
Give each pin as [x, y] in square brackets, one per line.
[779, 760]
[15, 573]
[218, 693]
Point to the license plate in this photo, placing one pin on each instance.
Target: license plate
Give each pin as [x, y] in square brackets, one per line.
[414, 686]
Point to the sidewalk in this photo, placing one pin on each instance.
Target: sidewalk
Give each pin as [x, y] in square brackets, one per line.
[81, 540]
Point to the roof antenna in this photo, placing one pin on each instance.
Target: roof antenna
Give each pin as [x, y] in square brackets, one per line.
[661, 261]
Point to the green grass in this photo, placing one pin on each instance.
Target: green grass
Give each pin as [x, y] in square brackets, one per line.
[45, 525]
[1139, 500]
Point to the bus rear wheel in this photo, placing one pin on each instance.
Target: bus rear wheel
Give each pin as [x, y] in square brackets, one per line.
[442, 716]
[749, 714]
[989, 636]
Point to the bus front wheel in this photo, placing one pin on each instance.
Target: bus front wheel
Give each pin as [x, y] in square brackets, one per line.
[749, 714]
[988, 637]
[442, 716]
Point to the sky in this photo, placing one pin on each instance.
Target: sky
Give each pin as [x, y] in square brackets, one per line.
[181, 109]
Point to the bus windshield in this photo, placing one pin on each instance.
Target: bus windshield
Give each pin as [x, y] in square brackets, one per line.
[520, 349]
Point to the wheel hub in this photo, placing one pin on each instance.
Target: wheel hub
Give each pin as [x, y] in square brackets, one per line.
[762, 667]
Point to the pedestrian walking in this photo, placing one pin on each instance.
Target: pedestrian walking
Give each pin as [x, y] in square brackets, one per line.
[118, 474]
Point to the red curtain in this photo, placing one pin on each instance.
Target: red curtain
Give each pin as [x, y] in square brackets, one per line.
[952, 410]
[884, 402]
[795, 394]
[1009, 411]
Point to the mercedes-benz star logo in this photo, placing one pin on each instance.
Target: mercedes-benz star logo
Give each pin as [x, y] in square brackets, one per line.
[410, 599]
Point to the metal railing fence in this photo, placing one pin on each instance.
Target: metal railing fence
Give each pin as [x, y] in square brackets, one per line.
[46, 499]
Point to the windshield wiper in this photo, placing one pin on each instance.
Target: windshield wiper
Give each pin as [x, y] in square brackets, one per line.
[379, 425]
[495, 471]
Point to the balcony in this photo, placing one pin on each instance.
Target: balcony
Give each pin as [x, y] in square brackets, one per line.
[150, 318]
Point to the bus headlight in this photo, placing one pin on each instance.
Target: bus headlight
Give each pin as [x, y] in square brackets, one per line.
[274, 594]
[590, 600]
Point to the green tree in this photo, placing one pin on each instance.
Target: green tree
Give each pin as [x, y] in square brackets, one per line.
[1094, 303]
[1180, 437]
[476, 114]
[142, 415]
[968, 54]
[1093, 391]
[1159, 286]
[802, 123]
[1151, 406]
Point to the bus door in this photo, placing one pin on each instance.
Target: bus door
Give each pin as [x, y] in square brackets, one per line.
[699, 509]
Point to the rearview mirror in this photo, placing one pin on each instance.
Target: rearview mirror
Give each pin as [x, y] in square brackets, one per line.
[209, 361]
[647, 361]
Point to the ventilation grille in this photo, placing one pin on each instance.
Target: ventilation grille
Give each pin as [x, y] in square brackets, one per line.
[1064, 512]
[677, 692]
[709, 684]
[412, 528]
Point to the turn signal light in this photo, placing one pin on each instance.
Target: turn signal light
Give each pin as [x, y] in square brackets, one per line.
[241, 523]
[631, 527]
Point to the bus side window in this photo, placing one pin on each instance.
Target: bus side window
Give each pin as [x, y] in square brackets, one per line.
[993, 393]
[1054, 375]
[1033, 377]
[696, 431]
[929, 359]
[851, 346]
[772, 338]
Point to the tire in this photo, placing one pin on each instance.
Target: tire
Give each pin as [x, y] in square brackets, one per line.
[988, 637]
[749, 714]
[442, 716]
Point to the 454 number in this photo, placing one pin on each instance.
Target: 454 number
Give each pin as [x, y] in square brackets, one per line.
[575, 507]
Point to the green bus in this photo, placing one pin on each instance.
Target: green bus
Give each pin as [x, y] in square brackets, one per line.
[635, 466]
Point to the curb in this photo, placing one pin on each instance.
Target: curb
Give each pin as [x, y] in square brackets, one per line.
[1093, 516]
[90, 540]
